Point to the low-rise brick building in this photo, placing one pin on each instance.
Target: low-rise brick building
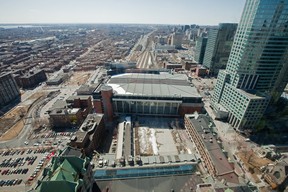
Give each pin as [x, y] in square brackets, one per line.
[90, 134]
[32, 78]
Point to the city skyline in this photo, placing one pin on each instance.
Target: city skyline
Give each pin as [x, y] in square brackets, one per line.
[206, 12]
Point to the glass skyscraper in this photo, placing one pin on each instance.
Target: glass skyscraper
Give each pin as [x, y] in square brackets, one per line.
[257, 68]
[200, 49]
[218, 47]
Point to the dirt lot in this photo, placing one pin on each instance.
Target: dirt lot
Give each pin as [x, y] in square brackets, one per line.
[11, 123]
[13, 131]
[79, 78]
[36, 96]
[11, 120]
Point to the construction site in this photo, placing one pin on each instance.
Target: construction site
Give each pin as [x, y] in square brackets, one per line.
[158, 136]
[150, 137]
[27, 112]
[13, 122]
[253, 163]
[79, 78]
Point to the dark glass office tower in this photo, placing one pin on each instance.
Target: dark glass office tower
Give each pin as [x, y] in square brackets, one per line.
[257, 68]
[219, 46]
[201, 43]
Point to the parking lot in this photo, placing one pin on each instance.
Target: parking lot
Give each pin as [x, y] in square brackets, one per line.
[49, 138]
[19, 168]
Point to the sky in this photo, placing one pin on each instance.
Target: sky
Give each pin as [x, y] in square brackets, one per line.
[201, 12]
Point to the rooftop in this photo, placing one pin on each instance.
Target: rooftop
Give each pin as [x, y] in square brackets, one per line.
[251, 95]
[59, 104]
[63, 175]
[163, 84]
[31, 73]
[152, 171]
[49, 186]
[70, 151]
[122, 65]
[81, 97]
[64, 111]
[202, 125]
[158, 183]
[91, 122]
[87, 89]
[89, 126]
[65, 172]
[80, 136]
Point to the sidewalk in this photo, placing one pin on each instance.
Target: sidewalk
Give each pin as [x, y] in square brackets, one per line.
[226, 133]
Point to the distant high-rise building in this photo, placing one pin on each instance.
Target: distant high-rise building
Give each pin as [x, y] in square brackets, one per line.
[185, 27]
[9, 90]
[162, 40]
[257, 68]
[193, 26]
[200, 31]
[201, 43]
[219, 46]
[176, 39]
[193, 34]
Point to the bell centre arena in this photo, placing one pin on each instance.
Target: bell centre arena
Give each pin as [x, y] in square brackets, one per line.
[162, 94]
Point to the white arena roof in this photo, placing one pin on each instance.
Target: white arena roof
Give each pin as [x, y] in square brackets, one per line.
[162, 85]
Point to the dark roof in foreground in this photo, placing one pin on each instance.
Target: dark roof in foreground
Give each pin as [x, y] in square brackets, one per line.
[159, 184]
[70, 151]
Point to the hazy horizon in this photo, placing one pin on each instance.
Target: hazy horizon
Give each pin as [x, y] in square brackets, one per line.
[207, 12]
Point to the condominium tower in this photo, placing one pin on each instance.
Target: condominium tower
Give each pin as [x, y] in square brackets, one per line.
[218, 47]
[257, 68]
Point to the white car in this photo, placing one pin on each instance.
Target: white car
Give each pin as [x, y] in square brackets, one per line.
[26, 142]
